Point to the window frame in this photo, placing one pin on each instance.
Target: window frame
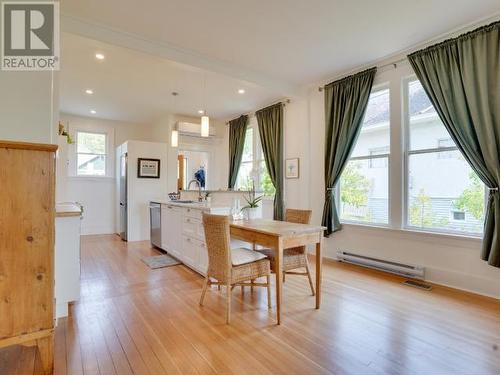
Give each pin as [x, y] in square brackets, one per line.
[88, 127]
[105, 154]
[378, 87]
[407, 152]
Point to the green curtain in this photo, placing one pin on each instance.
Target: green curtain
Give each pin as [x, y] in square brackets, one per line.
[237, 132]
[461, 76]
[345, 106]
[270, 122]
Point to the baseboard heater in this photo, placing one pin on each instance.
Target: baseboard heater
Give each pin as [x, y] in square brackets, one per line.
[407, 270]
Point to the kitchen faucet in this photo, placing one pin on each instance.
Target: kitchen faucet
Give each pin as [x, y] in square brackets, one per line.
[200, 198]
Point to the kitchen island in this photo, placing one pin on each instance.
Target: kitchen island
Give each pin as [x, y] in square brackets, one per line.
[182, 234]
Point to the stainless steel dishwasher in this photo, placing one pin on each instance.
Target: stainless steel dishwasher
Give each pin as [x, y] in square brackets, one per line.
[155, 220]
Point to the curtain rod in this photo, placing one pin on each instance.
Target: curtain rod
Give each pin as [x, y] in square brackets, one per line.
[392, 63]
[284, 102]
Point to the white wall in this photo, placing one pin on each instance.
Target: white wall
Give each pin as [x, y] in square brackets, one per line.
[97, 194]
[140, 191]
[27, 103]
[449, 260]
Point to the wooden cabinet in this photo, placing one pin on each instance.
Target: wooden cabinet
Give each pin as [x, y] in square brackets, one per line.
[27, 211]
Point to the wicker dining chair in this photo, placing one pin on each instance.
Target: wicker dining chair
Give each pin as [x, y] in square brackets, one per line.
[231, 267]
[293, 258]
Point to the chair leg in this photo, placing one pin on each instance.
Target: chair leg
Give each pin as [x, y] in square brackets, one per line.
[268, 277]
[251, 286]
[205, 286]
[284, 273]
[228, 303]
[311, 284]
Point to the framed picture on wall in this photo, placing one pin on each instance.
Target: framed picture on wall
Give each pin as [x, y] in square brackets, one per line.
[148, 168]
[292, 168]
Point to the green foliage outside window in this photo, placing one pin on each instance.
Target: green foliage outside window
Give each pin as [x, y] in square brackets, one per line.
[421, 210]
[472, 198]
[354, 187]
[266, 183]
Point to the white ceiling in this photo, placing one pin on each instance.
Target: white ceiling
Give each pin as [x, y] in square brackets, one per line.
[136, 87]
[270, 48]
[297, 41]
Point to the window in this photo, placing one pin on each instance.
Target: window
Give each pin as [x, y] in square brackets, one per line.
[443, 193]
[459, 215]
[364, 184]
[379, 162]
[444, 143]
[91, 153]
[253, 166]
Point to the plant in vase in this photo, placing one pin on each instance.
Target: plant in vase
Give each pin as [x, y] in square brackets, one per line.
[252, 206]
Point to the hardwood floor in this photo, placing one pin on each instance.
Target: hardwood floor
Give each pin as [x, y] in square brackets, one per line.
[133, 320]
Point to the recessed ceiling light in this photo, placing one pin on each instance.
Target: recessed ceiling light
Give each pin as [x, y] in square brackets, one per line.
[241, 91]
[89, 91]
[99, 56]
[93, 111]
[201, 111]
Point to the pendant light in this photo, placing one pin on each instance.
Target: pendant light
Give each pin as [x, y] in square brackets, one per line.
[174, 137]
[205, 126]
[205, 120]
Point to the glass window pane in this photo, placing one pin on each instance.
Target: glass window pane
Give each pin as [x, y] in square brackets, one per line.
[447, 196]
[91, 143]
[244, 180]
[364, 192]
[375, 133]
[266, 185]
[426, 129]
[91, 165]
[248, 147]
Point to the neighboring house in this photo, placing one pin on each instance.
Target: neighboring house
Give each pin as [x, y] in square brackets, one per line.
[432, 192]
[89, 164]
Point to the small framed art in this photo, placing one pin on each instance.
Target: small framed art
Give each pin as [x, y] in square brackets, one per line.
[292, 168]
[148, 168]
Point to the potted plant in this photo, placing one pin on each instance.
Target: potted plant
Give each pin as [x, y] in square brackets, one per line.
[252, 206]
[63, 132]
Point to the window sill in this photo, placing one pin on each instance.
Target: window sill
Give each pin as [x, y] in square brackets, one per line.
[412, 233]
[91, 178]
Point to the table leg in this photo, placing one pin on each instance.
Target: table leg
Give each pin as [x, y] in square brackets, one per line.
[279, 278]
[318, 272]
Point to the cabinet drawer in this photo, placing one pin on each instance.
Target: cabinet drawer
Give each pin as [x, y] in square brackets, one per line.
[193, 228]
[193, 213]
[190, 251]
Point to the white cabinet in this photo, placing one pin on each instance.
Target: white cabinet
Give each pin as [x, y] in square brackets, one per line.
[171, 225]
[203, 258]
[67, 263]
[189, 251]
[183, 236]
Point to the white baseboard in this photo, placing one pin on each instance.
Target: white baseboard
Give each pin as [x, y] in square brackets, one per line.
[97, 229]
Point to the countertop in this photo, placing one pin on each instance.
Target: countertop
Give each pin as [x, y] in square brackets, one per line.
[68, 209]
[196, 205]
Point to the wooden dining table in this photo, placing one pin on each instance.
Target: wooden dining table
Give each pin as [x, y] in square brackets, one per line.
[280, 235]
